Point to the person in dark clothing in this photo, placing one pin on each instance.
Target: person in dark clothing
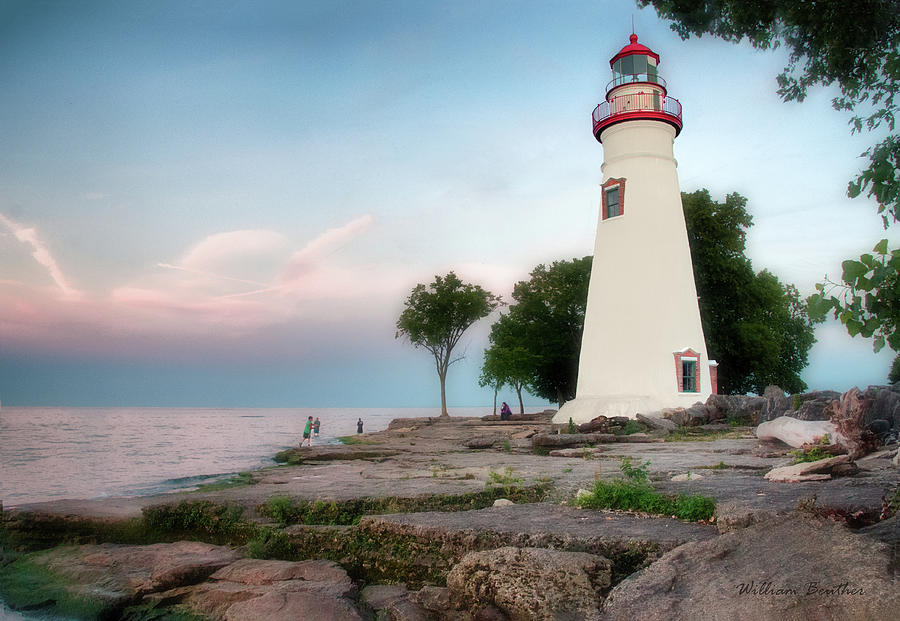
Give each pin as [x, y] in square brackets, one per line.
[359, 425]
[505, 412]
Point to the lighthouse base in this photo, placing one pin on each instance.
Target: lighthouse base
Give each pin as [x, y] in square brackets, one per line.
[584, 409]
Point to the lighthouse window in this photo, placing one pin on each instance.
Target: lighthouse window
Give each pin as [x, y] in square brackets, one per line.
[688, 376]
[640, 64]
[627, 65]
[612, 202]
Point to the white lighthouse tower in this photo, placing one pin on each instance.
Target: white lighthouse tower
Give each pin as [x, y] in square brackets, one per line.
[643, 347]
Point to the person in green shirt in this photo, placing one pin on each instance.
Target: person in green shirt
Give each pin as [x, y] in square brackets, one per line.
[307, 432]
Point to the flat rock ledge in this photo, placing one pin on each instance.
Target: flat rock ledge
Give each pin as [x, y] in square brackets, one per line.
[629, 541]
[795, 567]
[109, 581]
[562, 440]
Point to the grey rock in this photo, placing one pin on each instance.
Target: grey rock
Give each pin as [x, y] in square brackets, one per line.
[570, 439]
[885, 405]
[531, 583]
[812, 404]
[580, 453]
[736, 514]
[599, 424]
[807, 471]
[292, 605]
[433, 598]
[654, 421]
[381, 596]
[776, 404]
[887, 532]
[735, 406]
[879, 427]
[675, 415]
[704, 580]
[115, 575]
[480, 442]
[503, 502]
[687, 476]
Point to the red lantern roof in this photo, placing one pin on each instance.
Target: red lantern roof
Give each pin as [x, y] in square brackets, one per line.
[634, 48]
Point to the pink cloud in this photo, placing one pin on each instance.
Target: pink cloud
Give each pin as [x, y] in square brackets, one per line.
[42, 255]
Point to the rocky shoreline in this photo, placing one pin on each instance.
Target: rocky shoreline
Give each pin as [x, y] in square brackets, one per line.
[474, 518]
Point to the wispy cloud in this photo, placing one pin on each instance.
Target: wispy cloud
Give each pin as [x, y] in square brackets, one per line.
[42, 255]
[326, 243]
[221, 248]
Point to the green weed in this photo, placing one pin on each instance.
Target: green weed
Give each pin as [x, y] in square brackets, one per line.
[816, 452]
[634, 493]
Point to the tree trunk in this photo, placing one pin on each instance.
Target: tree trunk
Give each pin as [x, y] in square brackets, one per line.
[560, 398]
[521, 405]
[495, 401]
[444, 394]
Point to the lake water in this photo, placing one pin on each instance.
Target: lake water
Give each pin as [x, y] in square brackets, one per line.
[53, 453]
[60, 452]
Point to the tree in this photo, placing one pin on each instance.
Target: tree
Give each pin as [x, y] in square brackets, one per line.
[507, 360]
[543, 328]
[756, 328]
[868, 300]
[435, 318]
[854, 45]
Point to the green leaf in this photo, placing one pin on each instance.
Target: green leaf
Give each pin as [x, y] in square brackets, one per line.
[864, 284]
[853, 270]
[878, 343]
[881, 247]
[853, 326]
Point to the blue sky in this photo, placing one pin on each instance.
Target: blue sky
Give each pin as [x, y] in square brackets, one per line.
[226, 203]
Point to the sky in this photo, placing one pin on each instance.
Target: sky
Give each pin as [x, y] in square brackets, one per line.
[226, 203]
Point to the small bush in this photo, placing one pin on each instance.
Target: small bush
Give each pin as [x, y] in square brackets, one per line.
[632, 426]
[572, 428]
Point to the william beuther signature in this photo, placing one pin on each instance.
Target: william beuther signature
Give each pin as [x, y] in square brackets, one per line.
[767, 588]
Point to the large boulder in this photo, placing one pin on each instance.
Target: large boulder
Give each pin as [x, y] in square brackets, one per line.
[108, 577]
[792, 568]
[271, 589]
[812, 404]
[531, 583]
[775, 404]
[656, 422]
[735, 407]
[885, 405]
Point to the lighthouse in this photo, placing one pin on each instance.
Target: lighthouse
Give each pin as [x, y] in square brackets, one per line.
[643, 348]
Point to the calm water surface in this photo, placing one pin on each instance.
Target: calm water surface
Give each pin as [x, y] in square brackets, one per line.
[53, 453]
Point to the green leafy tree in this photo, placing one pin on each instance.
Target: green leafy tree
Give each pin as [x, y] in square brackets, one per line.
[508, 361]
[435, 318]
[855, 46]
[867, 300]
[756, 328]
[545, 324]
[488, 378]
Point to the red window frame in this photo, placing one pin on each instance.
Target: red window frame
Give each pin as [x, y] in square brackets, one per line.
[610, 183]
